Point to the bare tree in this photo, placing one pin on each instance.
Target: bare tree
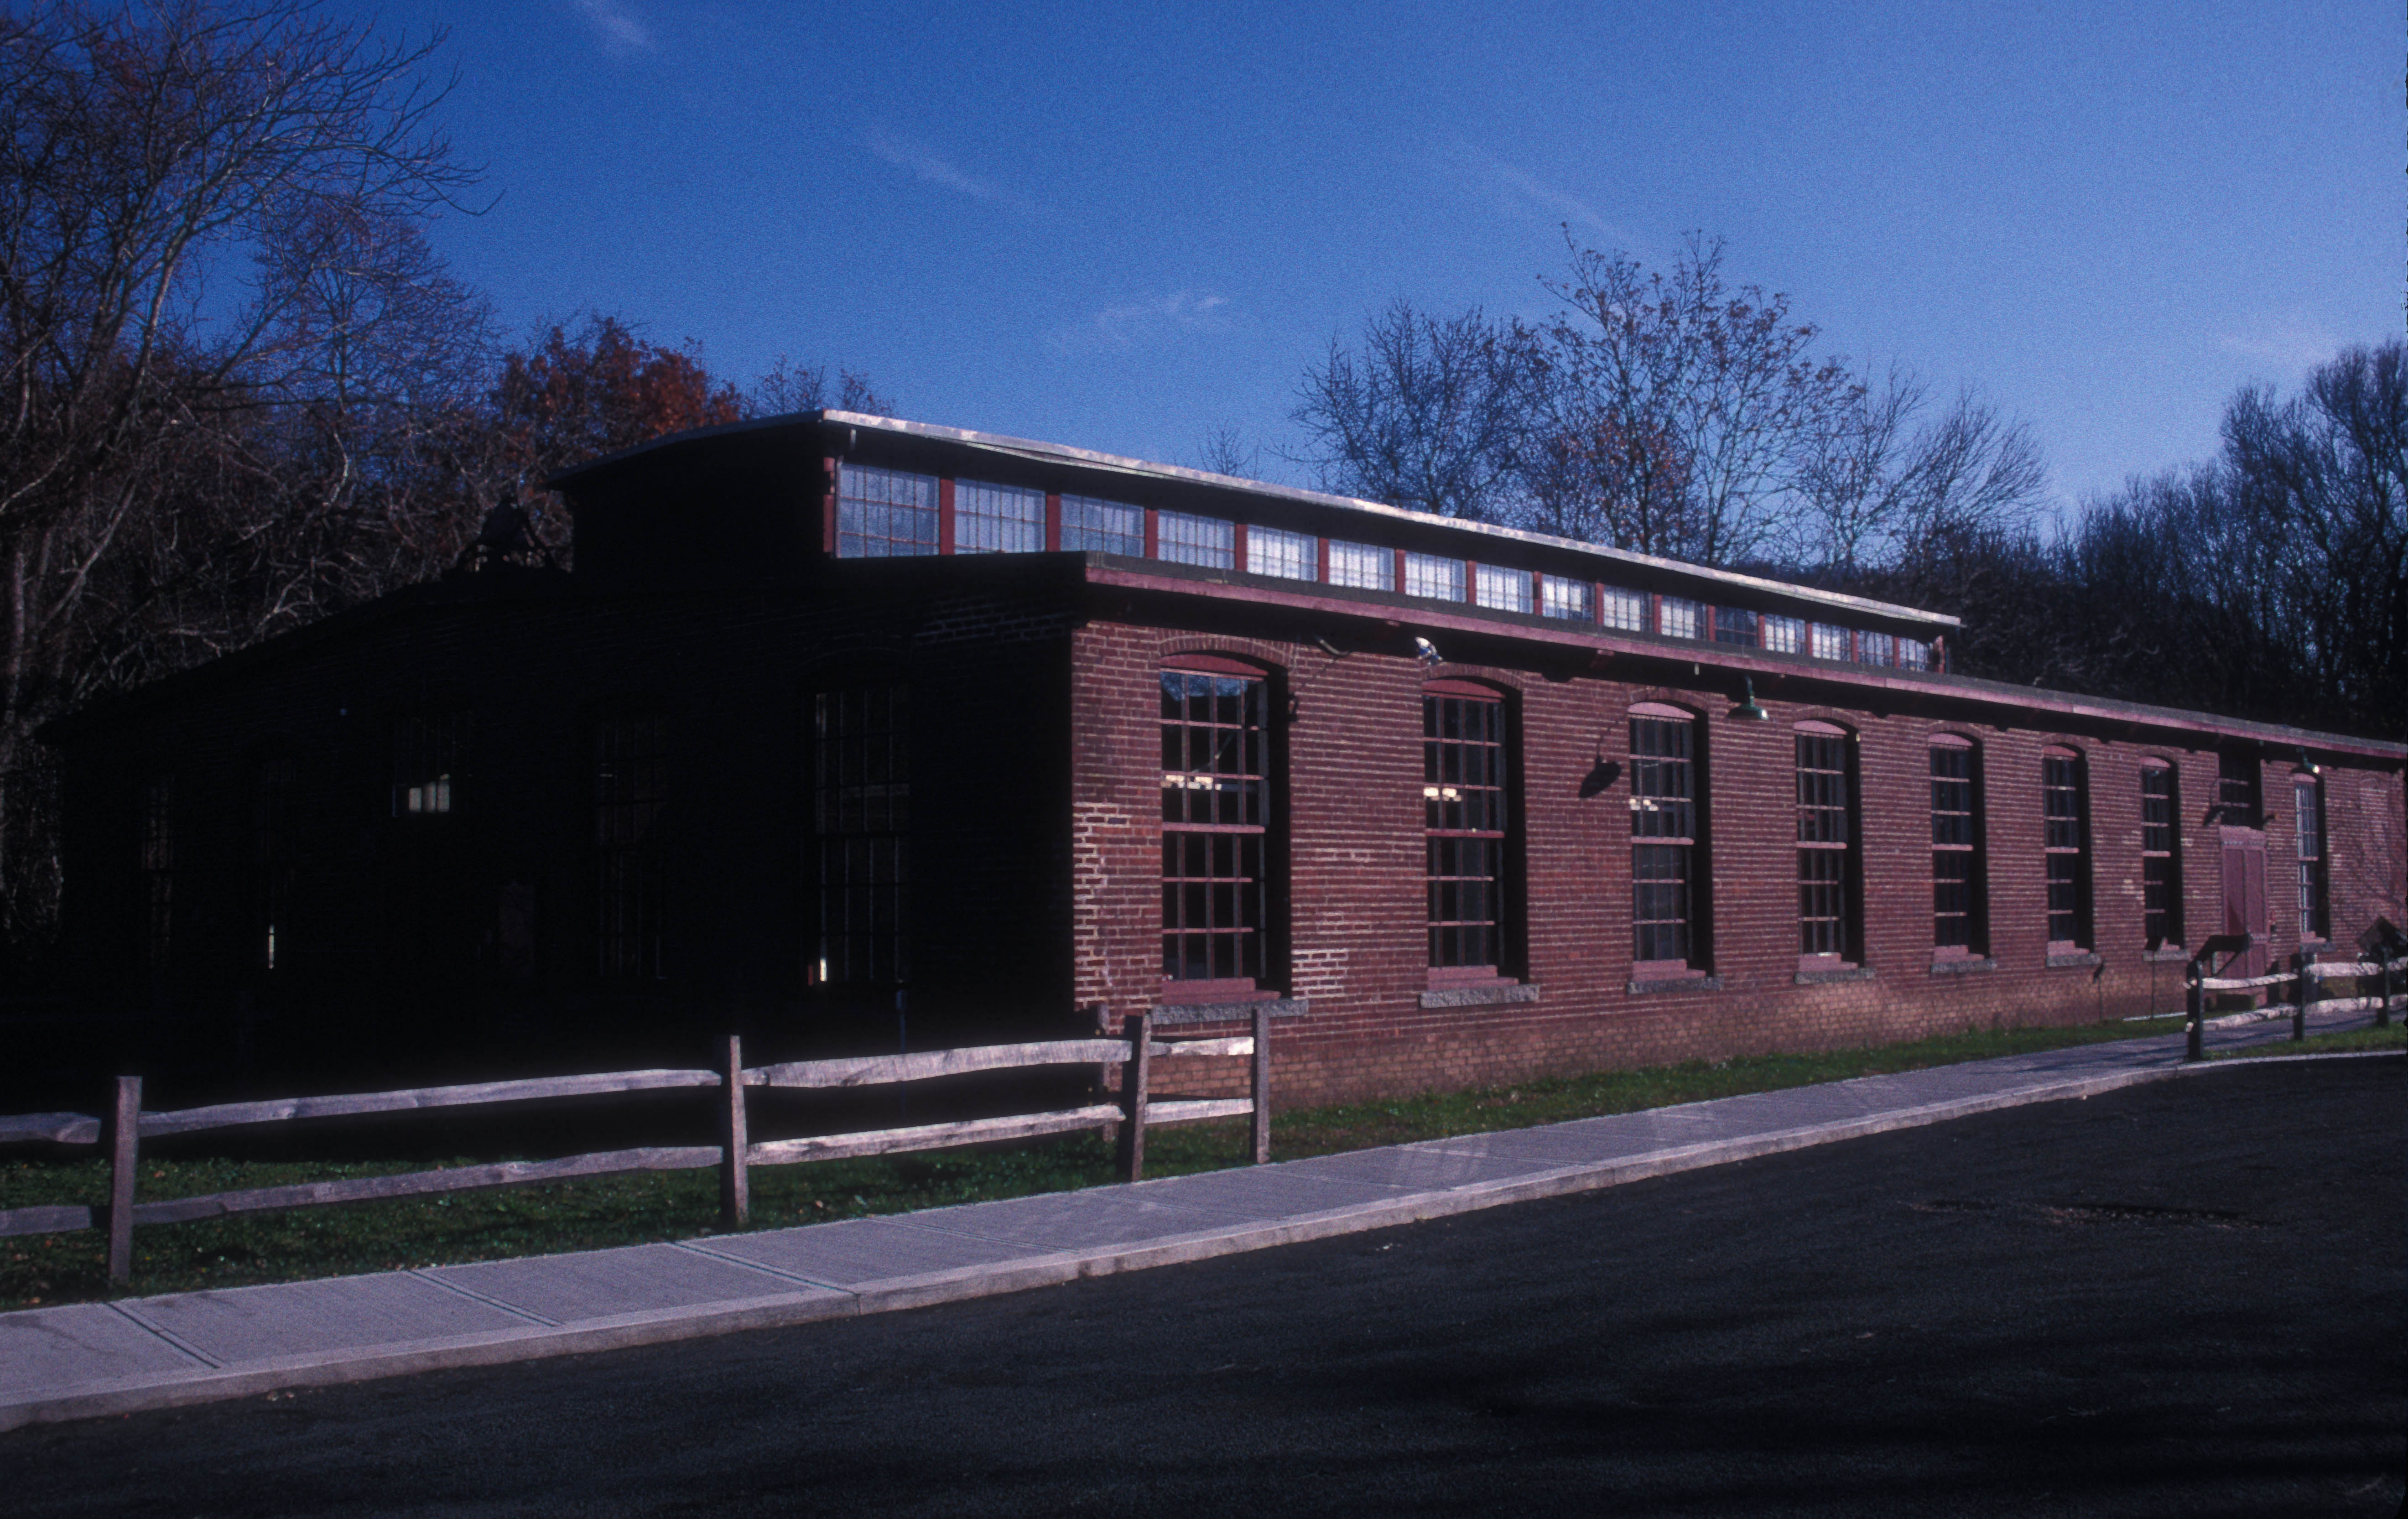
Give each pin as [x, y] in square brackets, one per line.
[789, 387]
[1426, 413]
[1226, 451]
[177, 183]
[1676, 410]
[1880, 483]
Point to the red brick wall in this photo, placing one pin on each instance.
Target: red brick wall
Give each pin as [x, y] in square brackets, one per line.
[1355, 940]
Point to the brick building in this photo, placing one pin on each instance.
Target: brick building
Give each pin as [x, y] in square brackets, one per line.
[846, 729]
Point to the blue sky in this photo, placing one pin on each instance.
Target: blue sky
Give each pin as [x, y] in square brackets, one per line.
[1120, 227]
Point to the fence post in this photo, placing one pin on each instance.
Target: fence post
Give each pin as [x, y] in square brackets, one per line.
[1133, 1073]
[2195, 1040]
[1262, 1083]
[735, 1189]
[124, 1162]
[2299, 963]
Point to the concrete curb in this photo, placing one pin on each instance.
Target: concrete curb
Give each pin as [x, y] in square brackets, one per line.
[812, 1301]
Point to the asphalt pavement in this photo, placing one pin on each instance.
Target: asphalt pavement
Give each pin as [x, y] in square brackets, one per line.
[2181, 1297]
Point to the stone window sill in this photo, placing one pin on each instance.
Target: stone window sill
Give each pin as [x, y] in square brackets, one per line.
[1825, 978]
[2079, 959]
[1963, 965]
[1676, 983]
[1229, 1012]
[2170, 954]
[1480, 996]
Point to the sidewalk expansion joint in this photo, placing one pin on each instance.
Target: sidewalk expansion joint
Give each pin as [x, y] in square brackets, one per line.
[181, 1345]
[511, 1309]
[724, 1259]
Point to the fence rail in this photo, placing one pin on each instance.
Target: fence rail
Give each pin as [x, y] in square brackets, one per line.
[123, 1129]
[2305, 978]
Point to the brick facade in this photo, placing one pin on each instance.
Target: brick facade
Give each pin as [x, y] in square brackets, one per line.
[1034, 897]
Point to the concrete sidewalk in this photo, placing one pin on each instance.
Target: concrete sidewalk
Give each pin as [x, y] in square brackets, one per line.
[87, 1359]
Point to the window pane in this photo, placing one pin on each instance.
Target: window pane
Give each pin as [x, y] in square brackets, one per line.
[1734, 624]
[1291, 556]
[1787, 635]
[1212, 818]
[1560, 598]
[885, 512]
[1426, 575]
[1831, 642]
[997, 519]
[1913, 654]
[1678, 618]
[1182, 540]
[1506, 590]
[1093, 526]
[1362, 566]
[1876, 649]
[1624, 609]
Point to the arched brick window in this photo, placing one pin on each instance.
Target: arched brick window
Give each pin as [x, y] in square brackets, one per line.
[1467, 808]
[1960, 928]
[2065, 820]
[2160, 854]
[861, 816]
[2308, 810]
[1215, 815]
[1667, 841]
[1828, 876]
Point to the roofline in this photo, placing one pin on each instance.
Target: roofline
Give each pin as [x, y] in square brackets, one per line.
[1022, 447]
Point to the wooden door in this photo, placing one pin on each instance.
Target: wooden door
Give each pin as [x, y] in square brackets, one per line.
[2244, 897]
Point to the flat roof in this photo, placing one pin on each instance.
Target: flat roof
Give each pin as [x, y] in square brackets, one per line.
[1060, 453]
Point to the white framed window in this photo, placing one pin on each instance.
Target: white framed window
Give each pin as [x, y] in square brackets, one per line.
[1506, 590]
[1560, 598]
[1362, 566]
[1182, 540]
[1291, 556]
[1785, 635]
[1913, 654]
[1427, 575]
[997, 519]
[1090, 525]
[1679, 617]
[1625, 609]
[1831, 642]
[1876, 649]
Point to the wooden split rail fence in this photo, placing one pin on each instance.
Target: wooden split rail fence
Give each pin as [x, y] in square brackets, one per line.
[123, 1129]
[2304, 980]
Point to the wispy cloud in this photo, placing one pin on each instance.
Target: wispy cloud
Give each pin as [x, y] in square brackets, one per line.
[1121, 326]
[925, 164]
[2291, 341]
[1521, 192]
[616, 22]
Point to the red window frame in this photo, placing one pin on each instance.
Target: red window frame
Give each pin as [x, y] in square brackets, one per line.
[2162, 925]
[2065, 845]
[1215, 827]
[1827, 842]
[1665, 842]
[2308, 828]
[1465, 809]
[1957, 927]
